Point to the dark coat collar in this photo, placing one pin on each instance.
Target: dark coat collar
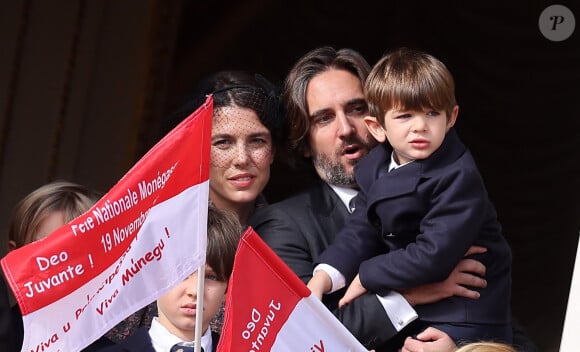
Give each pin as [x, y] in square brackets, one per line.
[376, 162]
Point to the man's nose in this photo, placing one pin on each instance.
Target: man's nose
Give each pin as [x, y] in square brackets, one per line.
[345, 125]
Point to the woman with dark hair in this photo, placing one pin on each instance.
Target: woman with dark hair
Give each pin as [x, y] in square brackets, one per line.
[247, 125]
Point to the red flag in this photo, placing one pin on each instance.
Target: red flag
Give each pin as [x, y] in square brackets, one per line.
[140, 239]
[268, 308]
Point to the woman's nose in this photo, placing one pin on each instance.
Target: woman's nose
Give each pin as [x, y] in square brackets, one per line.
[241, 154]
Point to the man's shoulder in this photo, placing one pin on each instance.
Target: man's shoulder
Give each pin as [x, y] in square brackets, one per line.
[319, 197]
[304, 197]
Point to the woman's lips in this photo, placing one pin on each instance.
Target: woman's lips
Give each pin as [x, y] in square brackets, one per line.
[242, 180]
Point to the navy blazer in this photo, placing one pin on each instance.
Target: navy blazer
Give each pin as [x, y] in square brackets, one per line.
[140, 341]
[298, 229]
[414, 224]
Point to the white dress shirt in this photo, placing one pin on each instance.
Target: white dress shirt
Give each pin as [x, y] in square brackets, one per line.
[162, 340]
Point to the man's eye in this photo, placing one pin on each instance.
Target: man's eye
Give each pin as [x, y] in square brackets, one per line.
[403, 116]
[324, 118]
[433, 113]
[359, 109]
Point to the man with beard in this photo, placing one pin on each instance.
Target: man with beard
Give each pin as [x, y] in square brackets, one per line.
[325, 101]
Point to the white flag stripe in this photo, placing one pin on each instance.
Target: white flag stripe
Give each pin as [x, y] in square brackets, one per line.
[173, 236]
[312, 327]
[570, 337]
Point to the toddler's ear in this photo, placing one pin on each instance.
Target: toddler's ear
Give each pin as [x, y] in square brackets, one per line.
[451, 120]
[375, 128]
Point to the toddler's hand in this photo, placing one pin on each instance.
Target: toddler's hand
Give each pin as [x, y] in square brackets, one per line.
[355, 290]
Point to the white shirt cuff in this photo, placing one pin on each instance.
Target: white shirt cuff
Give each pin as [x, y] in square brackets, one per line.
[338, 280]
[398, 309]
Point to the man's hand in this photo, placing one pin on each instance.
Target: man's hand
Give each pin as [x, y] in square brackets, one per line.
[468, 272]
[354, 290]
[320, 283]
[430, 340]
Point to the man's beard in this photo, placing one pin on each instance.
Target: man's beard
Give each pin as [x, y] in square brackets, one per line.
[333, 171]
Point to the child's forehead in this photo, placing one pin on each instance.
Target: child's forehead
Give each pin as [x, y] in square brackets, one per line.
[411, 105]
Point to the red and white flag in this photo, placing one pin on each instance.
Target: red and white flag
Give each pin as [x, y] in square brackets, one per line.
[268, 308]
[143, 237]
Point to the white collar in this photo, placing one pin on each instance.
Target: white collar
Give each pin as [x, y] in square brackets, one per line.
[394, 165]
[162, 340]
[344, 193]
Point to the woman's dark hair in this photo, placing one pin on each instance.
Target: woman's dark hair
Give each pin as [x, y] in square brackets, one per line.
[237, 89]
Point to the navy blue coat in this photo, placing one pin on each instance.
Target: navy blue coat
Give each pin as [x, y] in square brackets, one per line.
[412, 226]
[140, 341]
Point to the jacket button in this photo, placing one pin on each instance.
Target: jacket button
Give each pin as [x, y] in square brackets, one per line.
[388, 235]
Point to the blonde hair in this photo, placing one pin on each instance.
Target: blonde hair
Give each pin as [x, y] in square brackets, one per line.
[69, 198]
[486, 347]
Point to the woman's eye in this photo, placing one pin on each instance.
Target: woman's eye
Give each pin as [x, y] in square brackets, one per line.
[259, 141]
[433, 113]
[403, 116]
[221, 143]
[211, 277]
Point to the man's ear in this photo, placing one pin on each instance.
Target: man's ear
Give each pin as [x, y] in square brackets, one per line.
[375, 128]
[453, 117]
[306, 152]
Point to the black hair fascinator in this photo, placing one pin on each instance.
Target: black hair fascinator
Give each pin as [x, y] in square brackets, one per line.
[273, 108]
[267, 104]
[241, 89]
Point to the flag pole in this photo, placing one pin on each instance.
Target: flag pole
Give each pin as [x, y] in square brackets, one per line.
[199, 307]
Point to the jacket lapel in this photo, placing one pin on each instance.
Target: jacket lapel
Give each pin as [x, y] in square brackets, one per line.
[329, 209]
